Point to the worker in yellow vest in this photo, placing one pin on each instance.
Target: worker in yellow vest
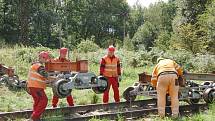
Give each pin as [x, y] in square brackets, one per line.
[165, 78]
[110, 68]
[36, 84]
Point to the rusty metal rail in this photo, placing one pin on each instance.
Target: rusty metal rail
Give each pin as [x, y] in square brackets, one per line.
[185, 109]
[71, 110]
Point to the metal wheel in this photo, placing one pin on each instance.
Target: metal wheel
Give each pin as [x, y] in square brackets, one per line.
[196, 95]
[58, 89]
[99, 89]
[12, 81]
[207, 83]
[149, 88]
[209, 95]
[127, 96]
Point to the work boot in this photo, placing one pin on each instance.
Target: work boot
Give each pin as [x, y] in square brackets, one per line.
[54, 106]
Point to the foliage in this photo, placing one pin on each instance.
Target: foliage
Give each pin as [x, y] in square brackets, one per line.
[163, 41]
[190, 32]
[128, 45]
[50, 22]
[191, 39]
[145, 35]
[207, 22]
[136, 19]
[87, 46]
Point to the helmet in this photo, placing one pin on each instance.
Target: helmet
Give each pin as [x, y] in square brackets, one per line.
[44, 55]
[159, 59]
[63, 50]
[111, 48]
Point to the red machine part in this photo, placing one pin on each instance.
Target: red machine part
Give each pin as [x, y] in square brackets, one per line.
[78, 66]
[4, 70]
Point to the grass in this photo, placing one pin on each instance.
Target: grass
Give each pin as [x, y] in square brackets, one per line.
[21, 57]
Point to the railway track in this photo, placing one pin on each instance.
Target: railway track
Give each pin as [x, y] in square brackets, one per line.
[75, 109]
[110, 111]
[134, 114]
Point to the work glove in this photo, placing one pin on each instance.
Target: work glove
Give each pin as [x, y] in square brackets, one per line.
[184, 72]
[119, 78]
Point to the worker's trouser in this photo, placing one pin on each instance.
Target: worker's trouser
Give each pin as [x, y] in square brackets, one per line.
[168, 83]
[115, 85]
[55, 100]
[40, 102]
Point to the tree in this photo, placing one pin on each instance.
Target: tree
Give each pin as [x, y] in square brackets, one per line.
[145, 35]
[207, 23]
[191, 39]
[187, 33]
[24, 21]
[103, 19]
[136, 19]
[9, 21]
[163, 41]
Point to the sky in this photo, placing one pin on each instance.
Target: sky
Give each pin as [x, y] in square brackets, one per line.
[144, 3]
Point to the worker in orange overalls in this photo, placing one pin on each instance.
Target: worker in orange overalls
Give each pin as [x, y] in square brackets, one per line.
[62, 58]
[110, 68]
[165, 79]
[36, 85]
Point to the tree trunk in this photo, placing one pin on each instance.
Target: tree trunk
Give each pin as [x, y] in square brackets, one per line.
[24, 21]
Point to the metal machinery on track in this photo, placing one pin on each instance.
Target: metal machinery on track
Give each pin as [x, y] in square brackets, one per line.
[189, 91]
[10, 79]
[74, 75]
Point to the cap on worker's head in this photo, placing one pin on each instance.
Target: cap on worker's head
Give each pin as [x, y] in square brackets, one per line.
[44, 54]
[111, 48]
[63, 50]
[159, 59]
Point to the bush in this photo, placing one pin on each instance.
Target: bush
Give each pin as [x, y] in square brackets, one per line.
[128, 45]
[87, 46]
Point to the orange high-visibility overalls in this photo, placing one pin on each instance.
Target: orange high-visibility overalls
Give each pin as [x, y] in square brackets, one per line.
[165, 79]
[36, 84]
[111, 71]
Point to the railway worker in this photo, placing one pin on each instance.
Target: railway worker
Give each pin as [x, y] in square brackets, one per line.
[165, 79]
[36, 84]
[62, 58]
[110, 68]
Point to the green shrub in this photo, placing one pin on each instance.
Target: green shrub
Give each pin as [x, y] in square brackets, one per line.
[87, 46]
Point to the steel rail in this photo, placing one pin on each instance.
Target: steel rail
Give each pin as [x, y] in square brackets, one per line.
[138, 113]
[71, 110]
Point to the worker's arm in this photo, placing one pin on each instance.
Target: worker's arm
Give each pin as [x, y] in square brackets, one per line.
[118, 68]
[102, 66]
[178, 69]
[154, 77]
[42, 72]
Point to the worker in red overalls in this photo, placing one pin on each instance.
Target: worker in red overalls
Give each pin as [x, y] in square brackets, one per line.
[62, 58]
[36, 85]
[110, 68]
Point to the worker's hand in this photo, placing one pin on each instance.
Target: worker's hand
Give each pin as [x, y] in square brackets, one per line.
[50, 80]
[119, 78]
[184, 72]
